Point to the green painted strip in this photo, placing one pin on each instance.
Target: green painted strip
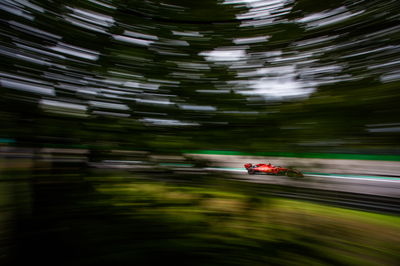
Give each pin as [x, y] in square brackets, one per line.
[4, 140]
[304, 155]
[355, 176]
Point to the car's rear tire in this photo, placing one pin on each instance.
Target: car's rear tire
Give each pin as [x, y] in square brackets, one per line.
[251, 171]
[294, 173]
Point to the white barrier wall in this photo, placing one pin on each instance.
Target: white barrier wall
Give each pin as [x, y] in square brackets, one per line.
[336, 166]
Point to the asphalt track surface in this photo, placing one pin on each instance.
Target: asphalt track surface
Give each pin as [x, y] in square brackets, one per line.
[368, 193]
[369, 177]
[362, 184]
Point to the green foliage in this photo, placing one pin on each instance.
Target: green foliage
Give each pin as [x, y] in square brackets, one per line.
[124, 221]
[347, 53]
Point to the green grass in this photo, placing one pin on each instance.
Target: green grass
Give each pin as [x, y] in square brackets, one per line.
[228, 225]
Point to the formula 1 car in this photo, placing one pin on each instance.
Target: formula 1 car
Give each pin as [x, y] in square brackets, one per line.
[270, 169]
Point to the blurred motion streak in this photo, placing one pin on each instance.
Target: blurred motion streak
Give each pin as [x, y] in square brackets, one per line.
[107, 105]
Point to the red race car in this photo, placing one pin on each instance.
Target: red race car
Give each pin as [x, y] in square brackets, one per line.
[270, 169]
